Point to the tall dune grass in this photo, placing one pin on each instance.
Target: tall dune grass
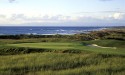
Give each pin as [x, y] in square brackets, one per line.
[61, 64]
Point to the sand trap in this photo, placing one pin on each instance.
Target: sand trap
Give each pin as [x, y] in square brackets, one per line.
[95, 45]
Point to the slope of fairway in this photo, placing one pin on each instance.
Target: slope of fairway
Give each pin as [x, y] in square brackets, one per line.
[70, 46]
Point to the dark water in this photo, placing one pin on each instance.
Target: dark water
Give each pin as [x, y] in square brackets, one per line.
[12, 30]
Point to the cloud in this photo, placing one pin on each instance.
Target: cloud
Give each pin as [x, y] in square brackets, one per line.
[115, 11]
[101, 12]
[115, 18]
[11, 1]
[18, 16]
[2, 16]
[22, 18]
[118, 15]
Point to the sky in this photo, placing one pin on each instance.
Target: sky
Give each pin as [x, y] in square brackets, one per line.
[62, 12]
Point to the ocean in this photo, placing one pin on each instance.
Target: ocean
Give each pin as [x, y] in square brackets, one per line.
[15, 30]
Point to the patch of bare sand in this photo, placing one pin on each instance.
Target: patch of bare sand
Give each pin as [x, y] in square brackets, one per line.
[95, 45]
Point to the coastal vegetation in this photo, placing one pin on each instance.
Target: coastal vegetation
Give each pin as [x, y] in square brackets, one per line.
[95, 53]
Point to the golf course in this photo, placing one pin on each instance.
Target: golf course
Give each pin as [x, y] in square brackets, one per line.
[63, 55]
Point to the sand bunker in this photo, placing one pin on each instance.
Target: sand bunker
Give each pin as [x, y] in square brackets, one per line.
[95, 45]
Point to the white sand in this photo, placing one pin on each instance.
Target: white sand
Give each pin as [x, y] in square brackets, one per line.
[95, 45]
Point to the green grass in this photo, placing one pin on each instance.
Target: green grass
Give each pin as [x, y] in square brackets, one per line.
[108, 43]
[48, 45]
[70, 46]
[62, 64]
[53, 57]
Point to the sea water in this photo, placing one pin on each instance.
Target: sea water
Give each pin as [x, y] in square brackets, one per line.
[40, 30]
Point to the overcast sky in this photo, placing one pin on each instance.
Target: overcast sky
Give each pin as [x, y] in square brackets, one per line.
[62, 12]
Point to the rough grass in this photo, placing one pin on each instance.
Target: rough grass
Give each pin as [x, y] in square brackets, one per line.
[61, 58]
[62, 64]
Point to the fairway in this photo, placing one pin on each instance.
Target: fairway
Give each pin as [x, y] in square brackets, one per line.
[50, 45]
[70, 46]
